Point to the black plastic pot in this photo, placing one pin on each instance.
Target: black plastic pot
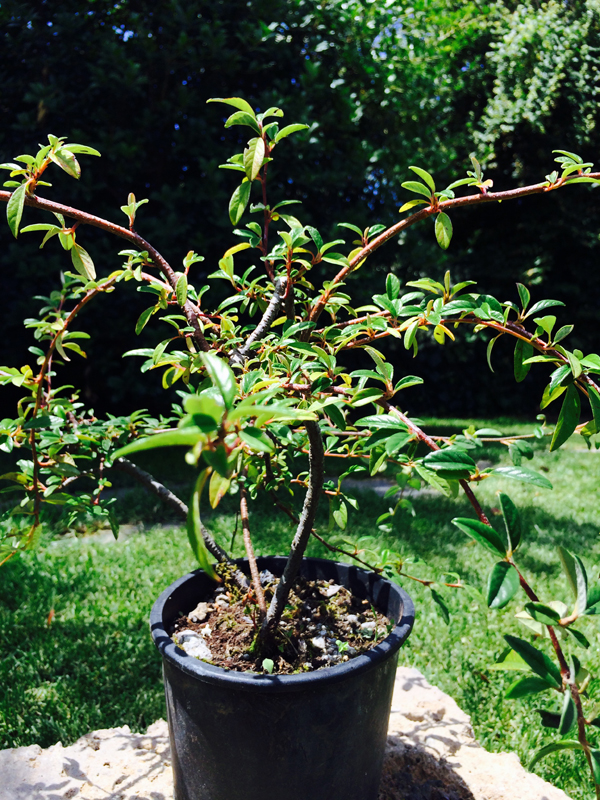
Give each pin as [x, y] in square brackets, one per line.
[313, 736]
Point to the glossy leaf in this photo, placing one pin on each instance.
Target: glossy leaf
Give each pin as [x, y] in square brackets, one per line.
[539, 662]
[254, 156]
[443, 230]
[217, 489]
[525, 686]
[185, 437]
[542, 613]
[236, 102]
[284, 132]
[82, 261]
[503, 584]
[523, 351]
[576, 578]
[554, 747]
[522, 474]
[14, 209]
[181, 289]
[485, 535]
[512, 522]
[257, 440]
[441, 604]
[450, 462]
[238, 202]
[194, 527]
[222, 377]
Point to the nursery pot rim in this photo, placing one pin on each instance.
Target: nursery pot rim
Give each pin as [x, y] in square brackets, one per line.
[248, 681]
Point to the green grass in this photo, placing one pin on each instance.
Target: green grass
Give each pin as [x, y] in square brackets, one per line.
[94, 666]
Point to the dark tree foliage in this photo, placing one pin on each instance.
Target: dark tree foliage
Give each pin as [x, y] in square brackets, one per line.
[382, 88]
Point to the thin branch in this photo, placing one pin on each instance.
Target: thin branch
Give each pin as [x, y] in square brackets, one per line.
[157, 488]
[190, 311]
[315, 484]
[446, 205]
[263, 327]
[256, 584]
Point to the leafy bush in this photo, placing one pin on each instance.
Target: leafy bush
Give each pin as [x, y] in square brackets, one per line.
[271, 376]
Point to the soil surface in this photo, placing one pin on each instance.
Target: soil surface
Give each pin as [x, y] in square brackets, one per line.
[322, 625]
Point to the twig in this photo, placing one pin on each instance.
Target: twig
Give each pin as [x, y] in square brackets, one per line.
[191, 313]
[258, 590]
[167, 496]
[261, 330]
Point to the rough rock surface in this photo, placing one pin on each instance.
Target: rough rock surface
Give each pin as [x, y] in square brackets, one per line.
[431, 755]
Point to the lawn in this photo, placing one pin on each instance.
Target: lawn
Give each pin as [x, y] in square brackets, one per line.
[93, 665]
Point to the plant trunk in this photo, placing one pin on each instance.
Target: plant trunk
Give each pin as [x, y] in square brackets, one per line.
[316, 459]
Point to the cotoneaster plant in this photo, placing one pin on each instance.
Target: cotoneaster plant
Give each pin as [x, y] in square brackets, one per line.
[265, 380]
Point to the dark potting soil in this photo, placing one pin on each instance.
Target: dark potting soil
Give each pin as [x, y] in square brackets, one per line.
[322, 625]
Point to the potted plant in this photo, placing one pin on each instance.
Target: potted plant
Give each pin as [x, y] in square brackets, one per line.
[269, 392]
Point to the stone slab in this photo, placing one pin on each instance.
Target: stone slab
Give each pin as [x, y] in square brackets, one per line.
[431, 755]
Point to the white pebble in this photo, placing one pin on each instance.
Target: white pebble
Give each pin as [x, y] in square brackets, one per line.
[319, 642]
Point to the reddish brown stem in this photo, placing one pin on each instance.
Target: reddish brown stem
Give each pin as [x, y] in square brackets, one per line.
[446, 205]
[191, 313]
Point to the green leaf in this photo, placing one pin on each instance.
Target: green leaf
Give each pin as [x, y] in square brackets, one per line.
[411, 204]
[536, 660]
[66, 161]
[392, 286]
[524, 296]
[239, 201]
[548, 718]
[450, 462]
[82, 261]
[524, 686]
[236, 102]
[447, 487]
[194, 527]
[594, 399]
[512, 523]
[542, 613]
[186, 437]
[484, 534]
[579, 637]
[509, 661]
[503, 584]
[524, 475]
[290, 129]
[523, 351]
[14, 209]
[243, 118]
[418, 188]
[441, 604]
[340, 513]
[541, 305]
[425, 176]
[181, 289]
[268, 665]
[554, 747]
[576, 578]
[443, 230]
[568, 417]
[143, 319]
[595, 755]
[257, 440]
[217, 489]
[254, 155]
[222, 377]
[381, 421]
[81, 148]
